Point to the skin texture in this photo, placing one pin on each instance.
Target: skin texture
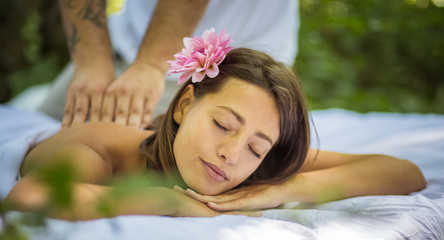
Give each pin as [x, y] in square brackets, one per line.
[100, 152]
[130, 99]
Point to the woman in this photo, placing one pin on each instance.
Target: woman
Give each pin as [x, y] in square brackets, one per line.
[236, 136]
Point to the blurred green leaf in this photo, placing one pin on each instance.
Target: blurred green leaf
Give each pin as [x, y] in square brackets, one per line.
[59, 177]
[372, 55]
[30, 33]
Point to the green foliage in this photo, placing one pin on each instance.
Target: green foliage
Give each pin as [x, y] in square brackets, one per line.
[372, 55]
[31, 35]
[12, 231]
[59, 178]
[125, 187]
[32, 45]
[42, 71]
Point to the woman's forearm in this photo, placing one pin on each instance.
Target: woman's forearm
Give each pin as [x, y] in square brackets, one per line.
[94, 201]
[90, 201]
[369, 175]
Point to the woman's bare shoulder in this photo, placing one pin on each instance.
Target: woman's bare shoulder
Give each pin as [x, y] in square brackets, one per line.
[100, 148]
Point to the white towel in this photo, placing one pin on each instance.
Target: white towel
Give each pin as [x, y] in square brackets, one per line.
[20, 130]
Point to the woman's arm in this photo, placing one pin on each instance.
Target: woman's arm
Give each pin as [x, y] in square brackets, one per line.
[63, 177]
[91, 201]
[328, 176]
[325, 176]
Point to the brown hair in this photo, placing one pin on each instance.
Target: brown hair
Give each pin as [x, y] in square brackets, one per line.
[288, 153]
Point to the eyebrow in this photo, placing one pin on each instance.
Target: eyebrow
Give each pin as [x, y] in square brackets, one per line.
[242, 121]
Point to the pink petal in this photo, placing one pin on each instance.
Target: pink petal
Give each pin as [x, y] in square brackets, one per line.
[198, 76]
[197, 44]
[207, 33]
[187, 43]
[201, 58]
[184, 77]
[212, 71]
[211, 40]
[191, 66]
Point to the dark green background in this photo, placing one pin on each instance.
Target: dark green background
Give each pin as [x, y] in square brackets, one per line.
[364, 55]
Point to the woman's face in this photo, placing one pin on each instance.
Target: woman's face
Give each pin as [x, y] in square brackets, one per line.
[223, 137]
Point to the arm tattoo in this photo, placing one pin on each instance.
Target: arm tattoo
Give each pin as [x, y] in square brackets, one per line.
[73, 38]
[94, 11]
[69, 4]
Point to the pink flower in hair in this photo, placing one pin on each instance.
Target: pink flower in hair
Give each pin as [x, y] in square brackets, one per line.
[201, 56]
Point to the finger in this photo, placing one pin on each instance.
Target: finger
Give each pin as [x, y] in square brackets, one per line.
[147, 119]
[108, 107]
[236, 204]
[148, 113]
[179, 189]
[199, 197]
[69, 111]
[136, 111]
[96, 105]
[217, 198]
[122, 108]
[80, 109]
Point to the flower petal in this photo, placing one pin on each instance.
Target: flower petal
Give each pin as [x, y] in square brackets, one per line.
[184, 77]
[187, 43]
[207, 33]
[212, 71]
[198, 76]
[201, 56]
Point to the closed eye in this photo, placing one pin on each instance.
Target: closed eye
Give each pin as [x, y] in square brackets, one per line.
[227, 130]
[254, 152]
[220, 126]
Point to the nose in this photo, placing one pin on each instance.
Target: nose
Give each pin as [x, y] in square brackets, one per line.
[229, 149]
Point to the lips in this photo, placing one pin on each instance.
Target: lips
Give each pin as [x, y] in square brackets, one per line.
[214, 171]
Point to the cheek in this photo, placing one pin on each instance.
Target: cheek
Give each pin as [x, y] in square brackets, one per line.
[254, 164]
[193, 139]
[247, 167]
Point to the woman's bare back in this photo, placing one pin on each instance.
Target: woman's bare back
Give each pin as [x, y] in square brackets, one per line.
[96, 151]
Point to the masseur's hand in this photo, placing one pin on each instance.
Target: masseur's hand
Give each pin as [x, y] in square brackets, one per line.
[253, 197]
[85, 94]
[132, 98]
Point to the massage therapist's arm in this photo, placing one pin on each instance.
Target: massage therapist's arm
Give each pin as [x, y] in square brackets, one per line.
[135, 94]
[132, 97]
[87, 37]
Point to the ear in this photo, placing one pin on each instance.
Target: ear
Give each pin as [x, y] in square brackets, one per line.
[184, 103]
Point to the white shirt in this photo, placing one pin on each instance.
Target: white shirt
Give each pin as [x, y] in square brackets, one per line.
[270, 26]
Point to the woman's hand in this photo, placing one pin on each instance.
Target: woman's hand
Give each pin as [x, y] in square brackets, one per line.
[253, 197]
[186, 206]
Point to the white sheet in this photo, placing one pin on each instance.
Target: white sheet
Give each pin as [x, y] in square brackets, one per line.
[417, 137]
[19, 131]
